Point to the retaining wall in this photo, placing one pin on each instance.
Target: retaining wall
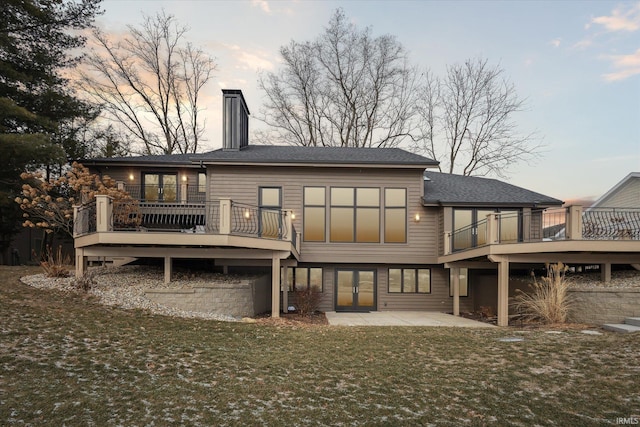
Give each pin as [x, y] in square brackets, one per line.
[604, 305]
[244, 298]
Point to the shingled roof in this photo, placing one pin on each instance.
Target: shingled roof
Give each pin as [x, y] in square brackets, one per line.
[445, 189]
[317, 156]
[173, 159]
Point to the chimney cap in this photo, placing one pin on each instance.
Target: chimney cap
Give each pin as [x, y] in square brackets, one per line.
[236, 92]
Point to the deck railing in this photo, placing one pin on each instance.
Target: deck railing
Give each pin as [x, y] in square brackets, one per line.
[547, 225]
[84, 219]
[212, 217]
[181, 193]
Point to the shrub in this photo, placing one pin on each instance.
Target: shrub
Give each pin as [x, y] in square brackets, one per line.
[54, 263]
[548, 300]
[87, 280]
[307, 301]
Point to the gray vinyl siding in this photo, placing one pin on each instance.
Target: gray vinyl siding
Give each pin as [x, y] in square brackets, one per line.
[241, 183]
[626, 197]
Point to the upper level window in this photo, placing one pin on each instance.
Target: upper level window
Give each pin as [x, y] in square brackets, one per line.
[270, 220]
[202, 182]
[160, 187]
[410, 280]
[355, 215]
[395, 215]
[470, 227]
[314, 214]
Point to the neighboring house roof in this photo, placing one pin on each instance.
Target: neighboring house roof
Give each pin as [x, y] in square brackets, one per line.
[445, 189]
[317, 156]
[625, 194]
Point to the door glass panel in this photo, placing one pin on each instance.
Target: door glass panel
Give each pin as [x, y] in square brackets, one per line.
[169, 188]
[345, 288]
[462, 238]
[151, 187]
[365, 288]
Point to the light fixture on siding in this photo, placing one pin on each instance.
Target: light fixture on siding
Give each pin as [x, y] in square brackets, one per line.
[293, 215]
[247, 215]
[130, 177]
[184, 178]
[417, 217]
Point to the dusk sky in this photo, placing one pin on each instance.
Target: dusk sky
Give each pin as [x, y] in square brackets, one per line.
[577, 63]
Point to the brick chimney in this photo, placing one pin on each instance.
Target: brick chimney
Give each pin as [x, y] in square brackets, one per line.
[235, 120]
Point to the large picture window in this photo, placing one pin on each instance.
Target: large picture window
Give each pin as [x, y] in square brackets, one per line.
[314, 214]
[395, 215]
[410, 280]
[355, 215]
[303, 278]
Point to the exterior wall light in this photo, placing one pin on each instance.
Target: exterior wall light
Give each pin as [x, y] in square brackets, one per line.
[247, 215]
[417, 217]
[184, 178]
[293, 215]
[130, 177]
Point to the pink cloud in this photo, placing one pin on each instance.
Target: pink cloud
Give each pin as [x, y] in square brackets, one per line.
[621, 19]
[627, 66]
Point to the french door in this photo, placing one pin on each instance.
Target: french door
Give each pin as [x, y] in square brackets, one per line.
[355, 290]
[160, 187]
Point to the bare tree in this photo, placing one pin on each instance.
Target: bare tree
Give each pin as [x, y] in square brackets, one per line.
[467, 121]
[346, 88]
[150, 83]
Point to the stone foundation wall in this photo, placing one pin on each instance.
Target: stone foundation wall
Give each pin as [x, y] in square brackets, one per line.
[246, 298]
[604, 305]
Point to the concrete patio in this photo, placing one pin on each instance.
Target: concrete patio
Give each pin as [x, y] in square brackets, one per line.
[402, 318]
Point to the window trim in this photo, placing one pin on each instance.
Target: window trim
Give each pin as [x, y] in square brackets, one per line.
[402, 287]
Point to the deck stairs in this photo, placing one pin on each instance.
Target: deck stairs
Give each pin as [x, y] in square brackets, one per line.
[631, 324]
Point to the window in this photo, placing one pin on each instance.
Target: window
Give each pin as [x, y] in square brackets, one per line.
[202, 182]
[410, 280]
[301, 278]
[464, 282]
[355, 215]
[395, 215]
[470, 227]
[270, 218]
[314, 214]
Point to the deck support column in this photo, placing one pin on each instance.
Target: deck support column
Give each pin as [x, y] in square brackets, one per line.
[275, 286]
[81, 262]
[455, 273]
[605, 272]
[285, 289]
[167, 269]
[503, 292]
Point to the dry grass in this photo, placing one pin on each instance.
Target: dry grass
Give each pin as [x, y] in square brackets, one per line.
[548, 301]
[65, 360]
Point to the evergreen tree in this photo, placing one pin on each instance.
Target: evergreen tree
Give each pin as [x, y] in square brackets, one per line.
[38, 109]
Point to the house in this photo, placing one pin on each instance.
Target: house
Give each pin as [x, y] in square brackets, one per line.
[373, 229]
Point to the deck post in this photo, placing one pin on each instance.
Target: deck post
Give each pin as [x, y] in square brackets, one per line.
[605, 272]
[81, 262]
[447, 242]
[225, 216]
[285, 289]
[275, 286]
[503, 292]
[493, 228]
[167, 269]
[574, 223]
[104, 213]
[455, 273]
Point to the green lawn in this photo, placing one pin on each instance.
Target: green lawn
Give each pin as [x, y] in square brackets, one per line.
[65, 360]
